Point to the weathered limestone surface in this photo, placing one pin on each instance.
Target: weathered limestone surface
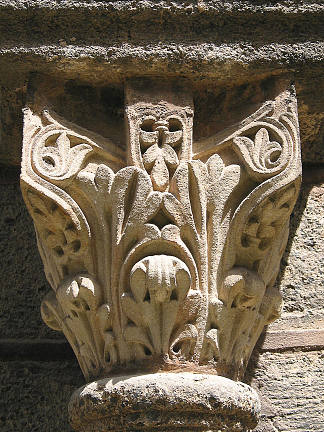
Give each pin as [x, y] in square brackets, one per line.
[229, 43]
[230, 51]
[292, 388]
[162, 37]
[164, 402]
[306, 215]
[302, 274]
[22, 291]
[297, 375]
[162, 253]
[34, 395]
[23, 283]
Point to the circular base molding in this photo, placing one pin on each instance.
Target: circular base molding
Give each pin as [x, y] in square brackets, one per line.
[164, 402]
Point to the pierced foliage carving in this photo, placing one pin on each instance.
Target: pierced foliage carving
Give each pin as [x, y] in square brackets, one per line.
[170, 258]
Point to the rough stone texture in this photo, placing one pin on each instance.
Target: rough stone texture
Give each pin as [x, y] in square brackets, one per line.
[311, 122]
[216, 106]
[302, 275]
[172, 258]
[229, 43]
[298, 378]
[164, 402]
[34, 395]
[309, 229]
[159, 34]
[23, 283]
[292, 388]
[22, 291]
[169, 20]
[292, 339]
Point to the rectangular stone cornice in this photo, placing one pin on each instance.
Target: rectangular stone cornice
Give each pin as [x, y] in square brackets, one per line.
[200, 40]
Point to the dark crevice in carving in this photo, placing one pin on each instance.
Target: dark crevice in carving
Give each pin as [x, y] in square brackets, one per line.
[129, 198]
[194, 193]
[161, 219]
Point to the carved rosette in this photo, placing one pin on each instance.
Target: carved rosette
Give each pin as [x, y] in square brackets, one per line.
[170, 262]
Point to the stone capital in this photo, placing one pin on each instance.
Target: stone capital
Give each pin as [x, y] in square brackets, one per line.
[163, 257]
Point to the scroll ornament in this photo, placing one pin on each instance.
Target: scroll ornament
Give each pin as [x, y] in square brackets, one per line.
[167, 261]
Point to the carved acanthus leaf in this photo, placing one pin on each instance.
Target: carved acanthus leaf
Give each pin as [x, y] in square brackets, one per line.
[256, 238]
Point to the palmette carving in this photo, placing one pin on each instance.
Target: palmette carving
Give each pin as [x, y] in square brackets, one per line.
[172, 259]
[159, 286]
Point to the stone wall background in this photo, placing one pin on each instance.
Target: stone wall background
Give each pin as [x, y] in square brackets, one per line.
[87, 49]
[287, 365]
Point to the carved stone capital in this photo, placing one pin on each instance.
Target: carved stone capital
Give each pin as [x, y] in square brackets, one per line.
[163, 258]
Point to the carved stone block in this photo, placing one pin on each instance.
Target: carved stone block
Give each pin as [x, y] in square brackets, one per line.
[162, 259]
